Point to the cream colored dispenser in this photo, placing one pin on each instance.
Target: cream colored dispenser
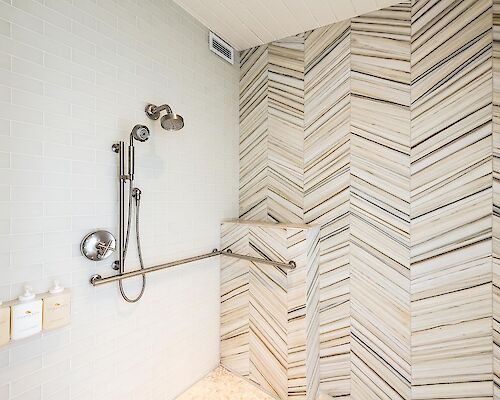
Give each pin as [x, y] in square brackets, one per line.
[26, 315]
[4, 324]
[56, 307]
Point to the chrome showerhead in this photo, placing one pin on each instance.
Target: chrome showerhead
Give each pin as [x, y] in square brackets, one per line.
[170, 121]
[140, 133]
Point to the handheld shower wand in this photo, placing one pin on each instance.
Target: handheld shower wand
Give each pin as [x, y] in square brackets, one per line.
[140, 133]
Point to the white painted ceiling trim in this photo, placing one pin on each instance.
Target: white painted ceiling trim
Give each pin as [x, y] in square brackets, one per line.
[249, 23]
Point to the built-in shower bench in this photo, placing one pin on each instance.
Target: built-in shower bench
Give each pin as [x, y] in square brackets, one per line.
[269, 314]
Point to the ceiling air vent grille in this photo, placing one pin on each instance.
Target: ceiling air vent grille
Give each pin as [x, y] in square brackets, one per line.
[221, 48]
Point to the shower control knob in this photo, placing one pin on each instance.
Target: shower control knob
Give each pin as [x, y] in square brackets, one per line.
[98, 245]
[116, 147]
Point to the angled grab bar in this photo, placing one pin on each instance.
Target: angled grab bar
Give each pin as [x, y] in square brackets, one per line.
[97, 280]
[229, 253]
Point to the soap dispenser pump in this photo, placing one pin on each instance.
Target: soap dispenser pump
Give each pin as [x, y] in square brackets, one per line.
[56, 307]
[4, 324]
[26, 315]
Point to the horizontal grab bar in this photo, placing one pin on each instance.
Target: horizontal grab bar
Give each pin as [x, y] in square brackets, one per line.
[97, 280]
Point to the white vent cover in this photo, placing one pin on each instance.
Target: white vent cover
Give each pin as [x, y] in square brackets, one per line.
[221, 48]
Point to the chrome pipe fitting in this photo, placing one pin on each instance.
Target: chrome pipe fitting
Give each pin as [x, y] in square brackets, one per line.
[153, 112]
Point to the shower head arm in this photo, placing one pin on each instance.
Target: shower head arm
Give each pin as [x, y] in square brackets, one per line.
[153, 112]
[164, 107]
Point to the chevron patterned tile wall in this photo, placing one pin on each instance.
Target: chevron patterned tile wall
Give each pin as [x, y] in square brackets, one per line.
[380, 204]
[269, 316]
[234, 304]
[254, 88]
[272, 132]
[326, 167]
[400, 168]
[496, 198]
[286, 130]
[451, 199]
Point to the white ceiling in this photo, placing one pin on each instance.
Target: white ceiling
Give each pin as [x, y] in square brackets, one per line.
[249, 23]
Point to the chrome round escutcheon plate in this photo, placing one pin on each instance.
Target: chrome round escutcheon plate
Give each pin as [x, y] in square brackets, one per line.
[98, 245]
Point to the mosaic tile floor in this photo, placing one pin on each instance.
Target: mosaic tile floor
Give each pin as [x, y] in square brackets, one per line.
[220, 384]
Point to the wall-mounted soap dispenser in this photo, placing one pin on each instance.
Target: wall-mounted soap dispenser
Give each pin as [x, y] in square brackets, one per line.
[56, 307]
[4, 324]
[26, 315]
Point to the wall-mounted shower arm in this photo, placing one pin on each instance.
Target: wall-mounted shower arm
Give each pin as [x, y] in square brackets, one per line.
[97, 280]
[153, 112]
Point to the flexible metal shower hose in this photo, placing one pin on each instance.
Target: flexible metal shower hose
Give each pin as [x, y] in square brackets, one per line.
[138, 240]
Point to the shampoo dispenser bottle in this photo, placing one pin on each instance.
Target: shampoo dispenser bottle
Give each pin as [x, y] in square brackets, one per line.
[4, 324]
[26, 315]
[56, 307]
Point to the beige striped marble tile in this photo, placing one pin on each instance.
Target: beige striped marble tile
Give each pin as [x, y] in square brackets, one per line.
[272, 131]
[303, 313]
[254, 92]
[234, 301]
[496, 198]
[279, 349]
[326, 202]
[286, 130]
[398, 112]
[268, 311]
[380, 204]
[451, 196]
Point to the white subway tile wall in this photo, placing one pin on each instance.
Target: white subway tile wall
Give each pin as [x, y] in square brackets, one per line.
[75, 77]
